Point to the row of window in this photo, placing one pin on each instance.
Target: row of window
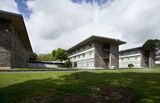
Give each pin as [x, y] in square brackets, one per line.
[90, 53]
[129, 53]
[129, 58]
[83, 48]
[86, 63]
[125, 64]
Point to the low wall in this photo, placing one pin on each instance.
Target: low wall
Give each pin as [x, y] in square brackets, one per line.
[36, 64]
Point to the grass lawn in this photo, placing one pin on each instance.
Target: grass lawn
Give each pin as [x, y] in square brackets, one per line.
[52, 87]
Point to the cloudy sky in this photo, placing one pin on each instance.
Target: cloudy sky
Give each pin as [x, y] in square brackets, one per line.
[64, 23]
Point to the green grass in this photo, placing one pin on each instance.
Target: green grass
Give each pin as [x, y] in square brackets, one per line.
[51, 86]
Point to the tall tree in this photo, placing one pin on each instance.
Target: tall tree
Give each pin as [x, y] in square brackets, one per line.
[155, 45]
[54, 55]
[59, 54]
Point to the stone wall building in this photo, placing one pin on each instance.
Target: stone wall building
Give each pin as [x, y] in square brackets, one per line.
[15, 47]
[139, 57]
[96, 52]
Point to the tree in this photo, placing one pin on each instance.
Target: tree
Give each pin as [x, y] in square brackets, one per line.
[59, 54]
[54, 55]
[155, 45]
[130, 65]
[33, 56]
[68, 64]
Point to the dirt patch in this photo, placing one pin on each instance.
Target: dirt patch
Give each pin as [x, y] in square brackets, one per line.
[39, 98]
[107, 95]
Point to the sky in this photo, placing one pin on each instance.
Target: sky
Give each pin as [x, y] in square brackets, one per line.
[53, 24]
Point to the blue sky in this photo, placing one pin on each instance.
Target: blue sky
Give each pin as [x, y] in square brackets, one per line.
[23, 8]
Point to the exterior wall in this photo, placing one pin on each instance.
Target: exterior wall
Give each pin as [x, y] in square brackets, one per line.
[19, 56]
[83, 57]
[41, 65]
[95, 56]
[100, 62]
[12, 51]
[130, 57]
[143, 60]
[5, 45]
[114, 57]
[139, 58]
[151, 59]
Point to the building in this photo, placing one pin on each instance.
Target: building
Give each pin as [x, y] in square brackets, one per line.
[139, 57]
[15, 47]
[96, 52]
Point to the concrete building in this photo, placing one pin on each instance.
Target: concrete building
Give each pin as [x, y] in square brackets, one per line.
[15, 47]
[139, 57]
[96, 52]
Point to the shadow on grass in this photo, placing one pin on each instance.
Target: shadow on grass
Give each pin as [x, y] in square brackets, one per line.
[145, 85]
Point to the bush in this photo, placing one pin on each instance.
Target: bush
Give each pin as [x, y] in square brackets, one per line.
[130, 65]
[68, 64]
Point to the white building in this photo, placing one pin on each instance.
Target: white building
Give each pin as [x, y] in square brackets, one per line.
[95, 52]
[139, 57]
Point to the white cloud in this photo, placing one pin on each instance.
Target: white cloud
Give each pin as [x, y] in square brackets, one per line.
[56, 23]
[8, 5]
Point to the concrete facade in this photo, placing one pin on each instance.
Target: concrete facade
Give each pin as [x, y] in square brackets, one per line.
[95, 53]
[15, 48]
[139, 57]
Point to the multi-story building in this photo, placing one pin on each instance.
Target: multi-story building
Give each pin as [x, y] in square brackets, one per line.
[139, 57]
[15, 47]
[96, 52]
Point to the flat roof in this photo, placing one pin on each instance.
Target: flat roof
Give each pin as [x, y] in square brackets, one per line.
[18, 22]
[136, 48]
[130, 49]
[96, 38]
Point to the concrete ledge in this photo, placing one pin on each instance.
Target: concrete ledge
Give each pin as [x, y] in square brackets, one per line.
[5, 68]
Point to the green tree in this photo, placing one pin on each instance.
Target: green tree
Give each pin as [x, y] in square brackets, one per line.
[59, 54]
[54, 55]
[33, 56]
[68, 64]
[155, 45]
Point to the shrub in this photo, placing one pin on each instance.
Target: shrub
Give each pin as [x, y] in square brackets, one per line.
[130, 65]
[68, 64]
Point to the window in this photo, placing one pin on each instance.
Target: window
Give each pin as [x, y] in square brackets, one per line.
[83, 54]
[90, 53]
[136, 58]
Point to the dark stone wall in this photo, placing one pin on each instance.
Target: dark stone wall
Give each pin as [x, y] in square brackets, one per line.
[19, 55]
[5, 44]
[12, 51]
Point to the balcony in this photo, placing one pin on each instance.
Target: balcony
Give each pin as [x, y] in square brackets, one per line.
[105, 56]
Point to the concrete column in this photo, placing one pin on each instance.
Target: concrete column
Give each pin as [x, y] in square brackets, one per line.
[151, 59]
[114, 56]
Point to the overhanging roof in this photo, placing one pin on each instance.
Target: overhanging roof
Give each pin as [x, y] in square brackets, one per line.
[18, 22]
[99, 39]
[136, 48]
[130, 49]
